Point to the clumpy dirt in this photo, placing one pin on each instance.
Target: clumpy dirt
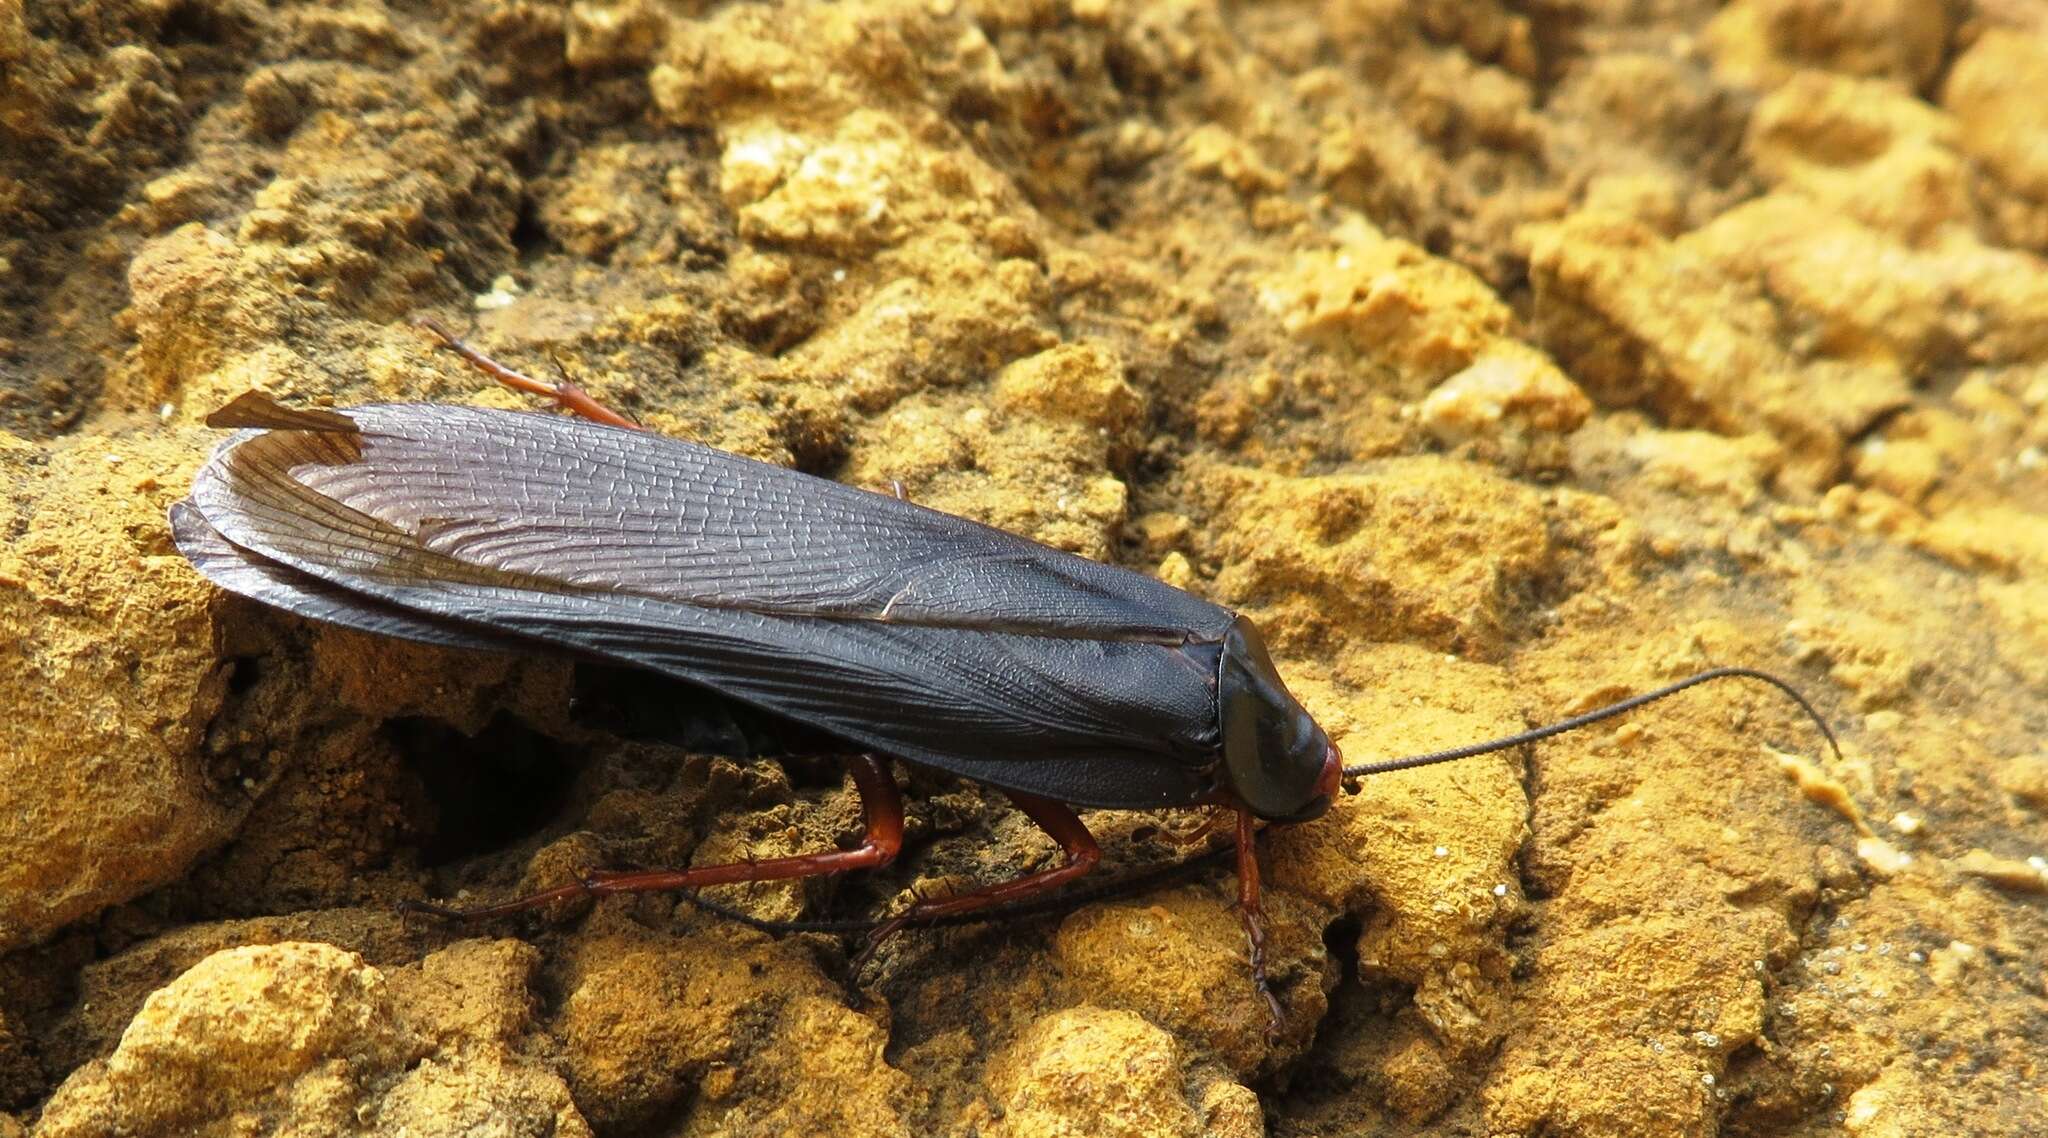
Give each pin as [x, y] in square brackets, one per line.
[1499, 359]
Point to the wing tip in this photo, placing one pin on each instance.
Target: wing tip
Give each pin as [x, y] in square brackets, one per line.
[261, 409]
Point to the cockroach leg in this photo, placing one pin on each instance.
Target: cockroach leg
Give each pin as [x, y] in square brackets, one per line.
[881, 807]
[1055, 818]
[1249, 913]
[567, 395]
[1066, 828]
[1197, 835]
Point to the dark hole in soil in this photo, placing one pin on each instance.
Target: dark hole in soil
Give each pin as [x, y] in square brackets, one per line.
[488, 790]
[243, 672]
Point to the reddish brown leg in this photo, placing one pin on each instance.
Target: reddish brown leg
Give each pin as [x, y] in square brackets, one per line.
[1200, 833]
[1055, 818]
[570, 397]
[881, 806]
[1248, 911]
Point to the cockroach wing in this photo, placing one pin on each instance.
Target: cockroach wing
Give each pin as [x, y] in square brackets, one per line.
[629, 511]
[1096, 722]
[938, 641]
[245, 574]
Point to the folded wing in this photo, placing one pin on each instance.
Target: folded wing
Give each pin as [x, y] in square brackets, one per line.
[631, 511]
[899, 628]
[245, 574]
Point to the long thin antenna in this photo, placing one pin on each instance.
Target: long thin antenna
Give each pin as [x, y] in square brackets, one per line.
[1589, 718]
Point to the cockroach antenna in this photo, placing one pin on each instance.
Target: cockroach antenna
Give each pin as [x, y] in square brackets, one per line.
[1587, 719]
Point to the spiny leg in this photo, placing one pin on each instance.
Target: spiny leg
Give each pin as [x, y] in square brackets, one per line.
[1249, 913]
[881, 808]
[1215, 817]
[1055, 818]
[570, 397]
[1066, 828]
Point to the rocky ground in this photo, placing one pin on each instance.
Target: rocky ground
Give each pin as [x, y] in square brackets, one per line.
[1500, 359]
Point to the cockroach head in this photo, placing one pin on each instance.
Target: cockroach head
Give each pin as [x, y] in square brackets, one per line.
[1276, 760]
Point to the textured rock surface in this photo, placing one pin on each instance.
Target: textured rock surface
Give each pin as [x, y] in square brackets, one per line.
[1500, 359]
[308, 1035]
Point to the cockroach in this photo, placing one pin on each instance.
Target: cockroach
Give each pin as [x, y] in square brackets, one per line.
[911, 634]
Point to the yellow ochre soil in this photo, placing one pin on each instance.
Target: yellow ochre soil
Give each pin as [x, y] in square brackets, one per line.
[1501, 359]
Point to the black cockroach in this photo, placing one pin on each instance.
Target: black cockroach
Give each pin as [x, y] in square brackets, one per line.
[910, 633]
